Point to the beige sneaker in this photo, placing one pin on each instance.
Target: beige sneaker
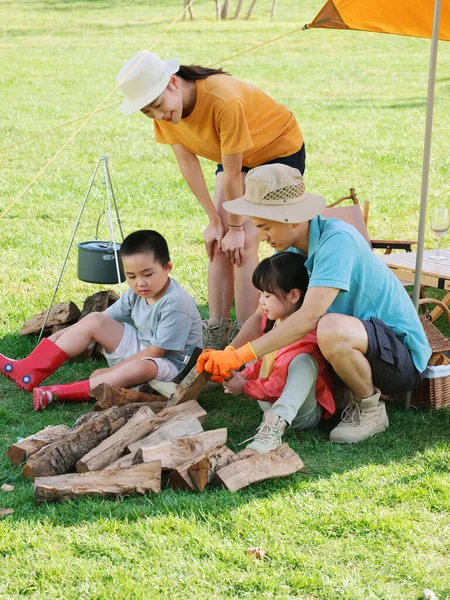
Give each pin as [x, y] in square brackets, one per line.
[234, 330]
[215, 336]
[268, 436]
[361, 419]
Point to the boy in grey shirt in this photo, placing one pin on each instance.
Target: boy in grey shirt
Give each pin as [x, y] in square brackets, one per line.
[146, 333]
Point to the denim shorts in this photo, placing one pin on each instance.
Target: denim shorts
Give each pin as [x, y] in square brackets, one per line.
[296, 160]
[393, 369]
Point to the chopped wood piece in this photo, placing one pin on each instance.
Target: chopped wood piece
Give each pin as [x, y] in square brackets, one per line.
[179, 478]
[280, 462]
[174, 453]
[127, 411]
[113, 447]
[6, 511]
[121, 482]
[108, 395]
[62, 455]
[203, 471]
[124, 462]
[61, 313]
[172, 429]
[187, 410]
[189, 388]
[21, 451]
[164, 388]
[99, 302]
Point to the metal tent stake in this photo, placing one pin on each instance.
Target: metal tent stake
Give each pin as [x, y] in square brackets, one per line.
[110, 196]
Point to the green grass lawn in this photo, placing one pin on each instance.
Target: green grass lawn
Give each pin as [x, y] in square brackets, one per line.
[369, 521]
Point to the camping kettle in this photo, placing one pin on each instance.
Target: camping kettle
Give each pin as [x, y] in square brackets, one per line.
[97, 262]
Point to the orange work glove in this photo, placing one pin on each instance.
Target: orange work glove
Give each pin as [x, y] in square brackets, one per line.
[220, 362]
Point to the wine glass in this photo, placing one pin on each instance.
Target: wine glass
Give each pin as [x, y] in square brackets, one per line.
[440, 224]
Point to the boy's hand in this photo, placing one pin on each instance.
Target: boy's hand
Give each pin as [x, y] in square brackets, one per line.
[235, 385]
[220, 363]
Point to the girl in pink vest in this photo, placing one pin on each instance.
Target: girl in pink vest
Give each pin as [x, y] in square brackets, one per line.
[293, 385]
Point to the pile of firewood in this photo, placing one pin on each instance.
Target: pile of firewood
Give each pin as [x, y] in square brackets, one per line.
[132, 438]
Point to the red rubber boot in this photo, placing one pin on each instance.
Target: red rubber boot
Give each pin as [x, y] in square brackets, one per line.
[30, 371]
[69, 392]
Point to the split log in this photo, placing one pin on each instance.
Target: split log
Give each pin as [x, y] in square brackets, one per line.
[108, 395]
[179, 478]
[136, 480]
[62, 455]
[21, 451]
[174, 453]
[280, 462]
[203, 471]
[127, 411]
[61, 313]
[177, 427]
[187, 410]
[190, 387]
[99, 302]
[165, 388]
[124, 462]
[113, 447]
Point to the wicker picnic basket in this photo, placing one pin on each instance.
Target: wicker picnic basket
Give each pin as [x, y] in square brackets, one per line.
[434, 390]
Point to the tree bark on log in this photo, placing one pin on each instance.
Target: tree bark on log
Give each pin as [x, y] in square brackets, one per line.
[189, 388]
[280, 462]
[203, 471]
[108, 395]
[62, 456]
[174, 453]
[135, 480]
[21, 451]
[110, 449]
[62, 313]
[172, 429]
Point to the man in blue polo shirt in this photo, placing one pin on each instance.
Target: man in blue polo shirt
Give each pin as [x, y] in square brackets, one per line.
[367, 327]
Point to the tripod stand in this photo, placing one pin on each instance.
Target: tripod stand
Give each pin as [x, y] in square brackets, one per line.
[111, 200]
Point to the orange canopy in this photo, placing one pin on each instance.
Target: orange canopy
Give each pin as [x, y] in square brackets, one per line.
[403, 17]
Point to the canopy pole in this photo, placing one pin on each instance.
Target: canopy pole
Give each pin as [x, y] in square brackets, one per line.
[426, 151]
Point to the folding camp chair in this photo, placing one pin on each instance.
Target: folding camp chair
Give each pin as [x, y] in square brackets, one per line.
[353, 215]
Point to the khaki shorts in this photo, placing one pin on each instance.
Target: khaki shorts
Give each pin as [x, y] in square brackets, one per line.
[131, 344]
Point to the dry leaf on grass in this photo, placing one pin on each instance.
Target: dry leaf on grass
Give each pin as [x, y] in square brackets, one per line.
[258, 553]
[8, 488]
[6, 511]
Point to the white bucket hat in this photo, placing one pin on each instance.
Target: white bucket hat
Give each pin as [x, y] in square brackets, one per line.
[146, 81]
[276, 192]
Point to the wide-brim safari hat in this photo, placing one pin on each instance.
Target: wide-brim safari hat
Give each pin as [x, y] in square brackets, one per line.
[276, 192]
[143, 78]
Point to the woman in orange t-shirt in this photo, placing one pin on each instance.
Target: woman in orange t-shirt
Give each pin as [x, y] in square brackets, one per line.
[206, 112]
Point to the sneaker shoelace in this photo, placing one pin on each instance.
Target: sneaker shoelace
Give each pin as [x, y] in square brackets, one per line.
[265, 433]
[352, 413]
[234, 330]
[213, 335]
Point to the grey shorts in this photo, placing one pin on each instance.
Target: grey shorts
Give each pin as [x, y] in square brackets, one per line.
[393, 369]
[131, 344]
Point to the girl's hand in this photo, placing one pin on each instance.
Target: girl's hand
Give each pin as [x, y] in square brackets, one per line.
[233, 245]
[213, 235]
[235, 385]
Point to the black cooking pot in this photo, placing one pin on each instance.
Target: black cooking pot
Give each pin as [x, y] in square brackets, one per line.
[97, 262]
